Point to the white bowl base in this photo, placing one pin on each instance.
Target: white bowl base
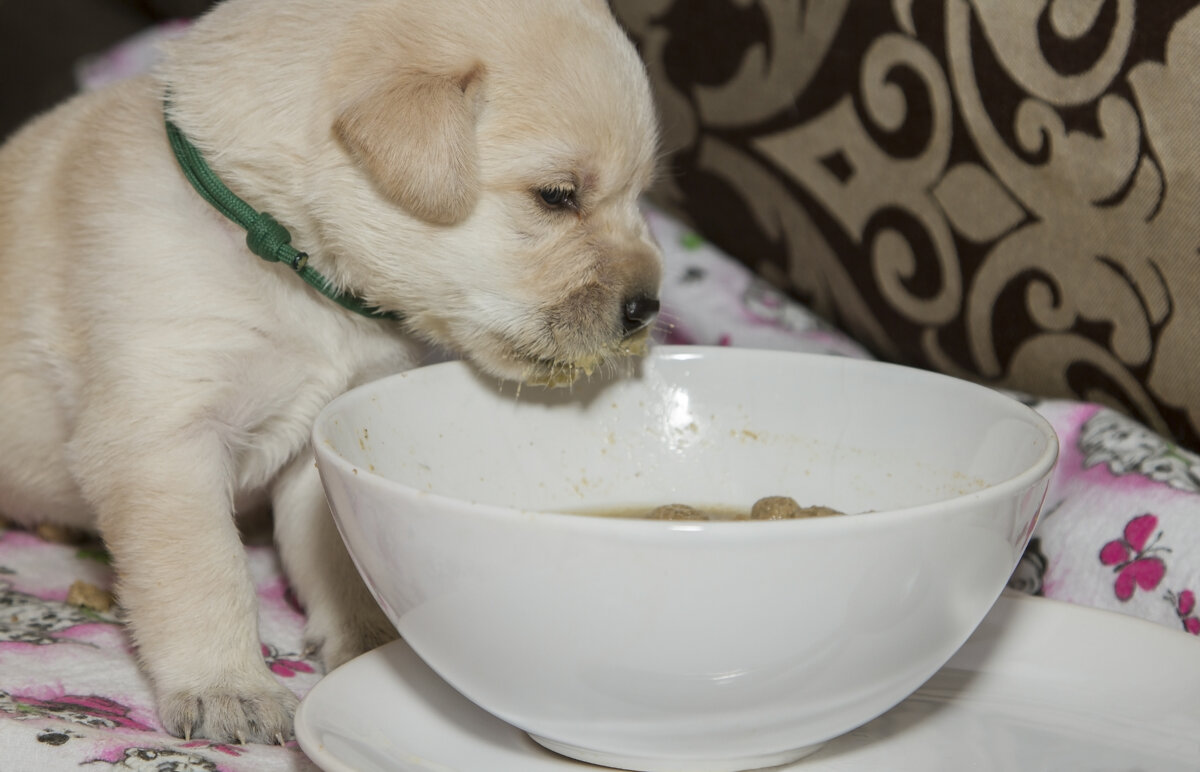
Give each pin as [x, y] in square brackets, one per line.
[635, 764]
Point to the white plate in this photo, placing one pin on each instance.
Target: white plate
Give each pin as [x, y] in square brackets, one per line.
[1041, 685]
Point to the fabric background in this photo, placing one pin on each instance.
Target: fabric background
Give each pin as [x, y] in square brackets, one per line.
[1004, 191]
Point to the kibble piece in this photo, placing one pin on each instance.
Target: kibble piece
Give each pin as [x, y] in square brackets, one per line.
[90, 596]
[786, 508]
[59, 534]
[775, 508]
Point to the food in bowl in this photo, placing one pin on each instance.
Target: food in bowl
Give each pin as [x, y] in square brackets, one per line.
[766, 508]
[786, 508]
[656, 644]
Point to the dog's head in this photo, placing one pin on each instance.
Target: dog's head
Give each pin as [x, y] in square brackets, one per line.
[494, 156]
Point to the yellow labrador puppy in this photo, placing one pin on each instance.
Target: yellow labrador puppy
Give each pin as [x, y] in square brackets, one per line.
[460, 171]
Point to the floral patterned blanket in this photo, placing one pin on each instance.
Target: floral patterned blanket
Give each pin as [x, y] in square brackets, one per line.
[1120, 531]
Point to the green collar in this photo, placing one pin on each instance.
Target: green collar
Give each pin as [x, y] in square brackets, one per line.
[264, 235]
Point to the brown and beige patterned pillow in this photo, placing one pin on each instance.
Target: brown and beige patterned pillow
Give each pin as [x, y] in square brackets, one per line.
[1005, 190]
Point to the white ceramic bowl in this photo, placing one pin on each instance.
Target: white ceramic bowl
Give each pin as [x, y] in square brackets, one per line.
[705, 647]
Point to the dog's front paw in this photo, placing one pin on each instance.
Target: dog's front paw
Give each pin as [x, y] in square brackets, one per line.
[340, 641]
[227, 715]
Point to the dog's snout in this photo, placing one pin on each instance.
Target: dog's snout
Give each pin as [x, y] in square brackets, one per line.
[638, 312]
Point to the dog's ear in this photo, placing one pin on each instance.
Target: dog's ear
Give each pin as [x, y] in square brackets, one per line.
[415, 136]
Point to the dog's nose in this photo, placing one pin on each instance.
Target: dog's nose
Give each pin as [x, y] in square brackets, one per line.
[638, 312]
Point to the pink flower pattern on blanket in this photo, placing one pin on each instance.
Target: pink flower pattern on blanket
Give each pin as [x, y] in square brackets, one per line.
[229, 750]
[86, 710]
[1135, 558]
[1185, 609]
[157, 759]
[284, 665]
[1127, 447]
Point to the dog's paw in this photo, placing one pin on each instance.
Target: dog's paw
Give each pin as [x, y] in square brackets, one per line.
[262, 715]
[338, 644]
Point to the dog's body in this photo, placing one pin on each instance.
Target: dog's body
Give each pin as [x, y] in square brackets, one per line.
[473, 166]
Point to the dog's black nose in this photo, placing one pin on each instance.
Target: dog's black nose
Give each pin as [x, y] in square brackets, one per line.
[638, 312]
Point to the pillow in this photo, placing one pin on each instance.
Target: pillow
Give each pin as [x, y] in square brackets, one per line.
[1006, 192]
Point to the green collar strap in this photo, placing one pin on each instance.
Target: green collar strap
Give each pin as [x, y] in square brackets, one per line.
[264, 235]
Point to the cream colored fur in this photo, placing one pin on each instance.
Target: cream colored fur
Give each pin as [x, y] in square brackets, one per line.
[156, 376]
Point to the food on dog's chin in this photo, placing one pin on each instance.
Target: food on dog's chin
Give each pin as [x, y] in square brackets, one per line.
[554, 374]
[766, 508]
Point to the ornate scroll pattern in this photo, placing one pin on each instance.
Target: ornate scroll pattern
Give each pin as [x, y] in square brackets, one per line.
[1004, 191]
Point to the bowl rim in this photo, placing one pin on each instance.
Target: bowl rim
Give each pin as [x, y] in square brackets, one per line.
[1041, 467]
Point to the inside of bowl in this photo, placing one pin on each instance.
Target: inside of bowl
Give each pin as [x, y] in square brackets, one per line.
[710, 429]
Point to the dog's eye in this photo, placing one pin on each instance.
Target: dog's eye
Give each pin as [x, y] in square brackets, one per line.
[557, 198]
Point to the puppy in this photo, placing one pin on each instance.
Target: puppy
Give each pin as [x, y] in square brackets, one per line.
[470, 169]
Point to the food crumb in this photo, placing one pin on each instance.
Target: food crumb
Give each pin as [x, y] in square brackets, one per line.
[59, 534]
[90, 596]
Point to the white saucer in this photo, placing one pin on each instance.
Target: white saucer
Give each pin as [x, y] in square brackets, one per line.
[1041, 685]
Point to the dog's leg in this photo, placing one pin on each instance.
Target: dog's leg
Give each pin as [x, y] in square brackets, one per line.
[164, 511]
[343, 619]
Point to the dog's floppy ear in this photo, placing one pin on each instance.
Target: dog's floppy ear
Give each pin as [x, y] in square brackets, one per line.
[415, 136]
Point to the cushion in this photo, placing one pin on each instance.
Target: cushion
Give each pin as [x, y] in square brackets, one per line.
[1007, 192]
